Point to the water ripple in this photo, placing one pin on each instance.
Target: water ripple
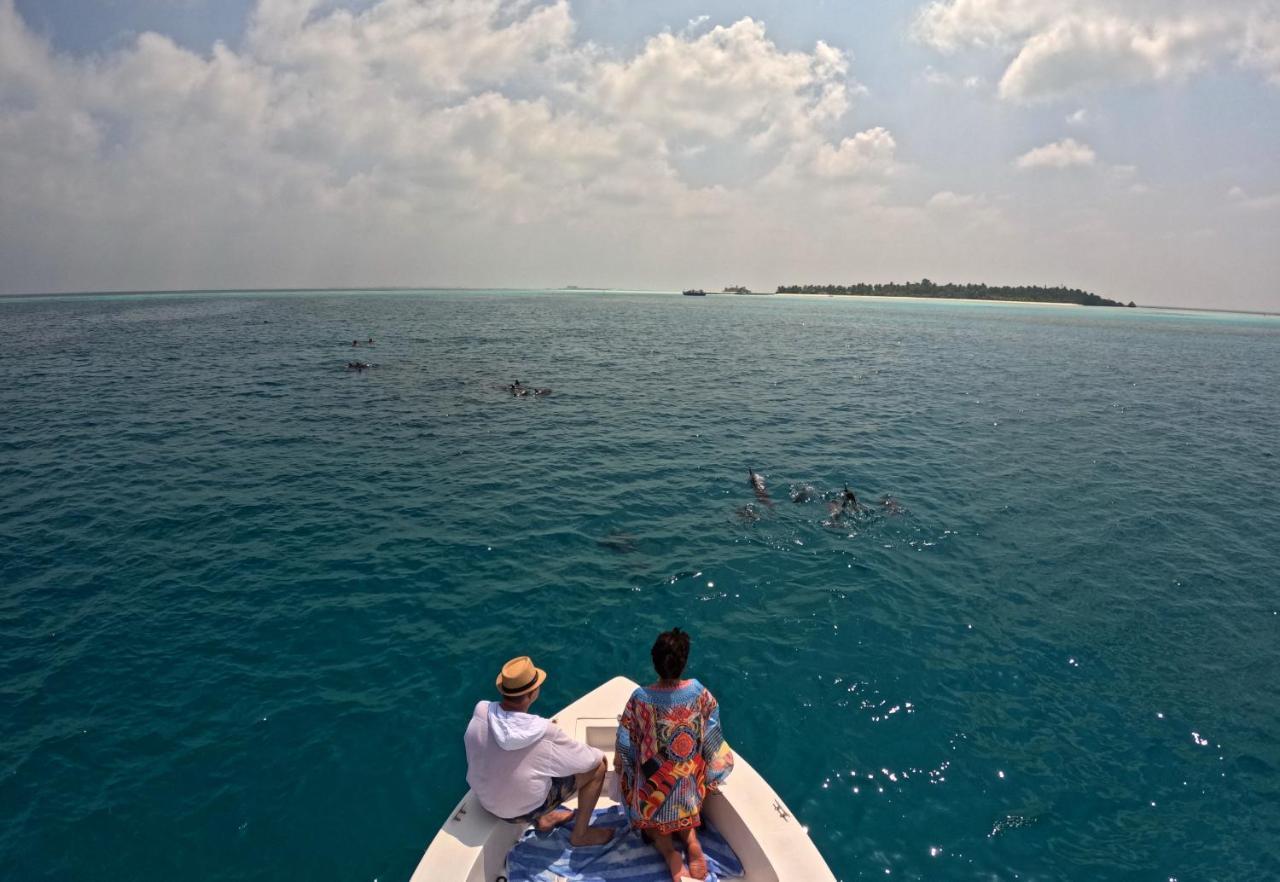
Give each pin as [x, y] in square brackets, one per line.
[247, 598]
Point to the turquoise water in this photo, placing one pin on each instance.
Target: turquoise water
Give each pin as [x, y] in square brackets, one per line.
[247, 599]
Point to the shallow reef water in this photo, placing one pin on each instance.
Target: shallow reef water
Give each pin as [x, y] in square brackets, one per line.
[249, 597]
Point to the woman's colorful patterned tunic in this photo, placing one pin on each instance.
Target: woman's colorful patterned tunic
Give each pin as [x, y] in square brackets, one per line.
[670, 753]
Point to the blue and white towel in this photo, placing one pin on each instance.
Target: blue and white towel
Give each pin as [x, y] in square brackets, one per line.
[625, 858]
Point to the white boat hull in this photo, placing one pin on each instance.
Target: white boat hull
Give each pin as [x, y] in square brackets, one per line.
[472, 845]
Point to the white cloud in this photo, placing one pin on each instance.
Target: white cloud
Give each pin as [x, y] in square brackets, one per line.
[337, 144]
[1062, 49]
[944, 80]
[1078, 118]
[1067, 153]
[872, 150]
[1262, 45]
[1242, 199]
[417, 48]
[694, 24]
[731, 82]
[946, 200]
[485, 142]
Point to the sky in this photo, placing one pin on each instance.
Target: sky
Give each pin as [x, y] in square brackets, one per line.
[1127, 147]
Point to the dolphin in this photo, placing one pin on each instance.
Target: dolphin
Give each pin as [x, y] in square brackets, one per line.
[845, 503]
[756, 480]
[849, 500]
[891, 505]
[618, 542]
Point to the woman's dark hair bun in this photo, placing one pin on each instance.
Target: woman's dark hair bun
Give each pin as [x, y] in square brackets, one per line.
[670, 653]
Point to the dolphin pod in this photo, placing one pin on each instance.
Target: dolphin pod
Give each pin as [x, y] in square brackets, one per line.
[840, 504]
[519, 390]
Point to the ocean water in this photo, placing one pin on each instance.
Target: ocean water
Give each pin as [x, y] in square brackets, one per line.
[248, 599]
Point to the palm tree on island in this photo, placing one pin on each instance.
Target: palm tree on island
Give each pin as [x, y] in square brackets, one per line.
[953, 291]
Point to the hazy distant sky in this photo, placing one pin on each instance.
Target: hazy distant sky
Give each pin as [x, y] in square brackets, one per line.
[1130, 147]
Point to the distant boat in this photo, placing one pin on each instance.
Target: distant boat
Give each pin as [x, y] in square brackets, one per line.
[695, 292]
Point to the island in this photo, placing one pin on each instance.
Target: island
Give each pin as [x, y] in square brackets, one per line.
[952, 291]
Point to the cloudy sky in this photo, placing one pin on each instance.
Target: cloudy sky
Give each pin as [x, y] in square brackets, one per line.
[1130, 147]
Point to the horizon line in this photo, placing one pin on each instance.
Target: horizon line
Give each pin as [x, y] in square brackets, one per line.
[366, 288]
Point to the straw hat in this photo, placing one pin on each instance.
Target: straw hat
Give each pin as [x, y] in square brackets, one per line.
[520, 677]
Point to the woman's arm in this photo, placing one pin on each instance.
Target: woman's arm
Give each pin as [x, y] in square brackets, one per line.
[624, 756]
[715, 750]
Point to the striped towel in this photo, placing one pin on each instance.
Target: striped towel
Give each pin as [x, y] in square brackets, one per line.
[625, 858]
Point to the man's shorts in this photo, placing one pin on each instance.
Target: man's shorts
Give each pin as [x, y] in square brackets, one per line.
[561, 789]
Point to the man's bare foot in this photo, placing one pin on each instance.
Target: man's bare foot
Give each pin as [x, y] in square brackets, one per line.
[697, 860]
[593, 836]
[675, 866]
[551, 820]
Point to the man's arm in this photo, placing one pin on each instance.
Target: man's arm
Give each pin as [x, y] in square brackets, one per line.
[569, 756]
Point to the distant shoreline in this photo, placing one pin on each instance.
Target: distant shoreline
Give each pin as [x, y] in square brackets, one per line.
[960, 291]
[1166, 308]
[917, 299]
[123, 292]
[365, 289]
[405, 288]
[1208, 309]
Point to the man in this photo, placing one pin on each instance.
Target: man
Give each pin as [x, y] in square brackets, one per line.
[522, 766]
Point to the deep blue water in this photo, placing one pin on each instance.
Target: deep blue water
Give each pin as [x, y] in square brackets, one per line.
[247, 599]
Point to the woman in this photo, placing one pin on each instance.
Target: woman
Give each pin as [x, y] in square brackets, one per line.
[671, 753]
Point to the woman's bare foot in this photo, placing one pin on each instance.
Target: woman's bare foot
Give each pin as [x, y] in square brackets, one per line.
[697, 860]
[675, 866]
[551, 820]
